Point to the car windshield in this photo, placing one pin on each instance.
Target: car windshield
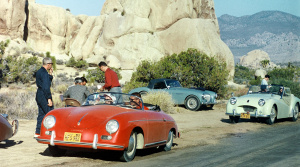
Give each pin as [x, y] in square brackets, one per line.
[117, 99]
[173, 83]
[268, 89]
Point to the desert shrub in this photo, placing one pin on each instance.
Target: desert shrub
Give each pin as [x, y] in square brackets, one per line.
[62, 88]
[96, 75]
[191, 68]
[162, 99]
[243, 75]
[3, 45]
[81, 64]
[283, 73]
[19, 104]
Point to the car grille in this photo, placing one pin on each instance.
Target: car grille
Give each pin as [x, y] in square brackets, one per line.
[249, 108]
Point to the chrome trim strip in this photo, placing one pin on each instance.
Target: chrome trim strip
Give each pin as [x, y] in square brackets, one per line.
[95, 141]
[164, 141]
[78, 123]
[81, 143]
[152, 120]
[251, 115]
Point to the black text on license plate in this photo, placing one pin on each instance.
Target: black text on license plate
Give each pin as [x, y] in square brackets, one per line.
[72, 137]
[245, 115]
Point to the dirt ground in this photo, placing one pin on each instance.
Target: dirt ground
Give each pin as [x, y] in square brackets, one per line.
[196, 128]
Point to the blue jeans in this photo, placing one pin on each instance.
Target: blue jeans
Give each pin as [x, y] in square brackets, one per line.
[117, 90]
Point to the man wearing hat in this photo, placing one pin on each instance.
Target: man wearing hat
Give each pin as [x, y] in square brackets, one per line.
[78, 91]
[43, 94]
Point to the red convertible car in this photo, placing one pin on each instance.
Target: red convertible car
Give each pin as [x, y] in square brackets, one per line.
[108, 121]
[7, 130]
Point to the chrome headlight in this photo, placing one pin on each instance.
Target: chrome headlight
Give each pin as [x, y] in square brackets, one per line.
[233, 100]
[261, 102]
[49, 121]
[112, 126]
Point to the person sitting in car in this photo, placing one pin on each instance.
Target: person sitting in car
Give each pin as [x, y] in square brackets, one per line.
[135, 101]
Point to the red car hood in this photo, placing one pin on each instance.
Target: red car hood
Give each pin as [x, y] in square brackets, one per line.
[89, 116]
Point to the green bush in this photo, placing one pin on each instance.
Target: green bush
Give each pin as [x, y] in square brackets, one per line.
[96, 75]
[82, 64]
[191, 68]
[22, 70]
[243, 75]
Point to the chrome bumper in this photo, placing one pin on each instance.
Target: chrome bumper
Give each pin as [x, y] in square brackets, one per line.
[255, 115]
[93, 145]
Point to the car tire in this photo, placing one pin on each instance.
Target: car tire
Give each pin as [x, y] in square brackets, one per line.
[56, 152]
[272, 117]
[192, 103]
[129, 153]
[169, 144]
[296, 113]
[233, 119]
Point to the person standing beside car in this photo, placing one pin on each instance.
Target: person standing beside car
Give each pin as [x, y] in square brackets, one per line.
[111, 79]
[43, 93]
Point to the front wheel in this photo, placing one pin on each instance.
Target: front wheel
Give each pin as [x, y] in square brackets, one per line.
[169, 144]
[272, 117]
[56, 152]
[296, 113]
[129, 152]
[192, 103]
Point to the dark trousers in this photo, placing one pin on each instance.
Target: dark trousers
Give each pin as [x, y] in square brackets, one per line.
[43, 110]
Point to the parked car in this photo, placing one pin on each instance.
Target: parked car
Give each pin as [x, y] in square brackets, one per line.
[103, 123]
[264, 102]
[7, 130]
[192, 98]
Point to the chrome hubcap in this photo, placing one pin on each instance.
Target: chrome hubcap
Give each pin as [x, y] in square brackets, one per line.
[192, 103]
[272, 114]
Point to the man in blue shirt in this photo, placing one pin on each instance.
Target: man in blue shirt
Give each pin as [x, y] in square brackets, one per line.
[264, 83]
[43, 94]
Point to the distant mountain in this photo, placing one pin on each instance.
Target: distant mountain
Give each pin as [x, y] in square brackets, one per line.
[274, 32]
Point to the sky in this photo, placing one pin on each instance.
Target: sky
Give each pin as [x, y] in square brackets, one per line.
[232, 7]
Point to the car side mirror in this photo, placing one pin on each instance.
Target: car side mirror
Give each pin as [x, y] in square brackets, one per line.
[168, 87]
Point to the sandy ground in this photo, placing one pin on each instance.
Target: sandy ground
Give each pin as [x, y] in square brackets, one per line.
[197, 128]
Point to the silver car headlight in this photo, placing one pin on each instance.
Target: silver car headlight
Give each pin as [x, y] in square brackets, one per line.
[233, 100]
[261, 102]
[112, 126]
[49, 121]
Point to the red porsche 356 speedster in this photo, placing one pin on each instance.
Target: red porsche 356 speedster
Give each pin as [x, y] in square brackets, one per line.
[7, 130]
[108, 121]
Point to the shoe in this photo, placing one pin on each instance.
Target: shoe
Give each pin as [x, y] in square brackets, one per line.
[36, 135]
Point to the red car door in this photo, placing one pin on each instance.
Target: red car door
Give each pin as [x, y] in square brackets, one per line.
[156, 128]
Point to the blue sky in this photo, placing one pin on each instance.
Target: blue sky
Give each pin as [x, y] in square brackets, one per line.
[231, 7]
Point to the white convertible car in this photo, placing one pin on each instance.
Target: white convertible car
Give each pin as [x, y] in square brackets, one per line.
[270, 102]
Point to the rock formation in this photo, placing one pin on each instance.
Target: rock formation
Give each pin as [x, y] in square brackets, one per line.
[125, 33]
[253, 60]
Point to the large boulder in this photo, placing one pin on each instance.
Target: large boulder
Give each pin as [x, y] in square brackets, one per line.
[254, 58]
[12, 18]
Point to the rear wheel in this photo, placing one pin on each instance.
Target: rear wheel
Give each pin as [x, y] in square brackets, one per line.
[129, 152]
[192, 103]
[233, 119]
[56, 152]
[296, 113]
[272, 117]
[169, 144]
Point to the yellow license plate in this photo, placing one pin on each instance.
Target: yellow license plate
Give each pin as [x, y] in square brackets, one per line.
[245, 115]
[72, 137]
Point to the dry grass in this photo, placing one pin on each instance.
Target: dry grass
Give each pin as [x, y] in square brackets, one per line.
[161, 98]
